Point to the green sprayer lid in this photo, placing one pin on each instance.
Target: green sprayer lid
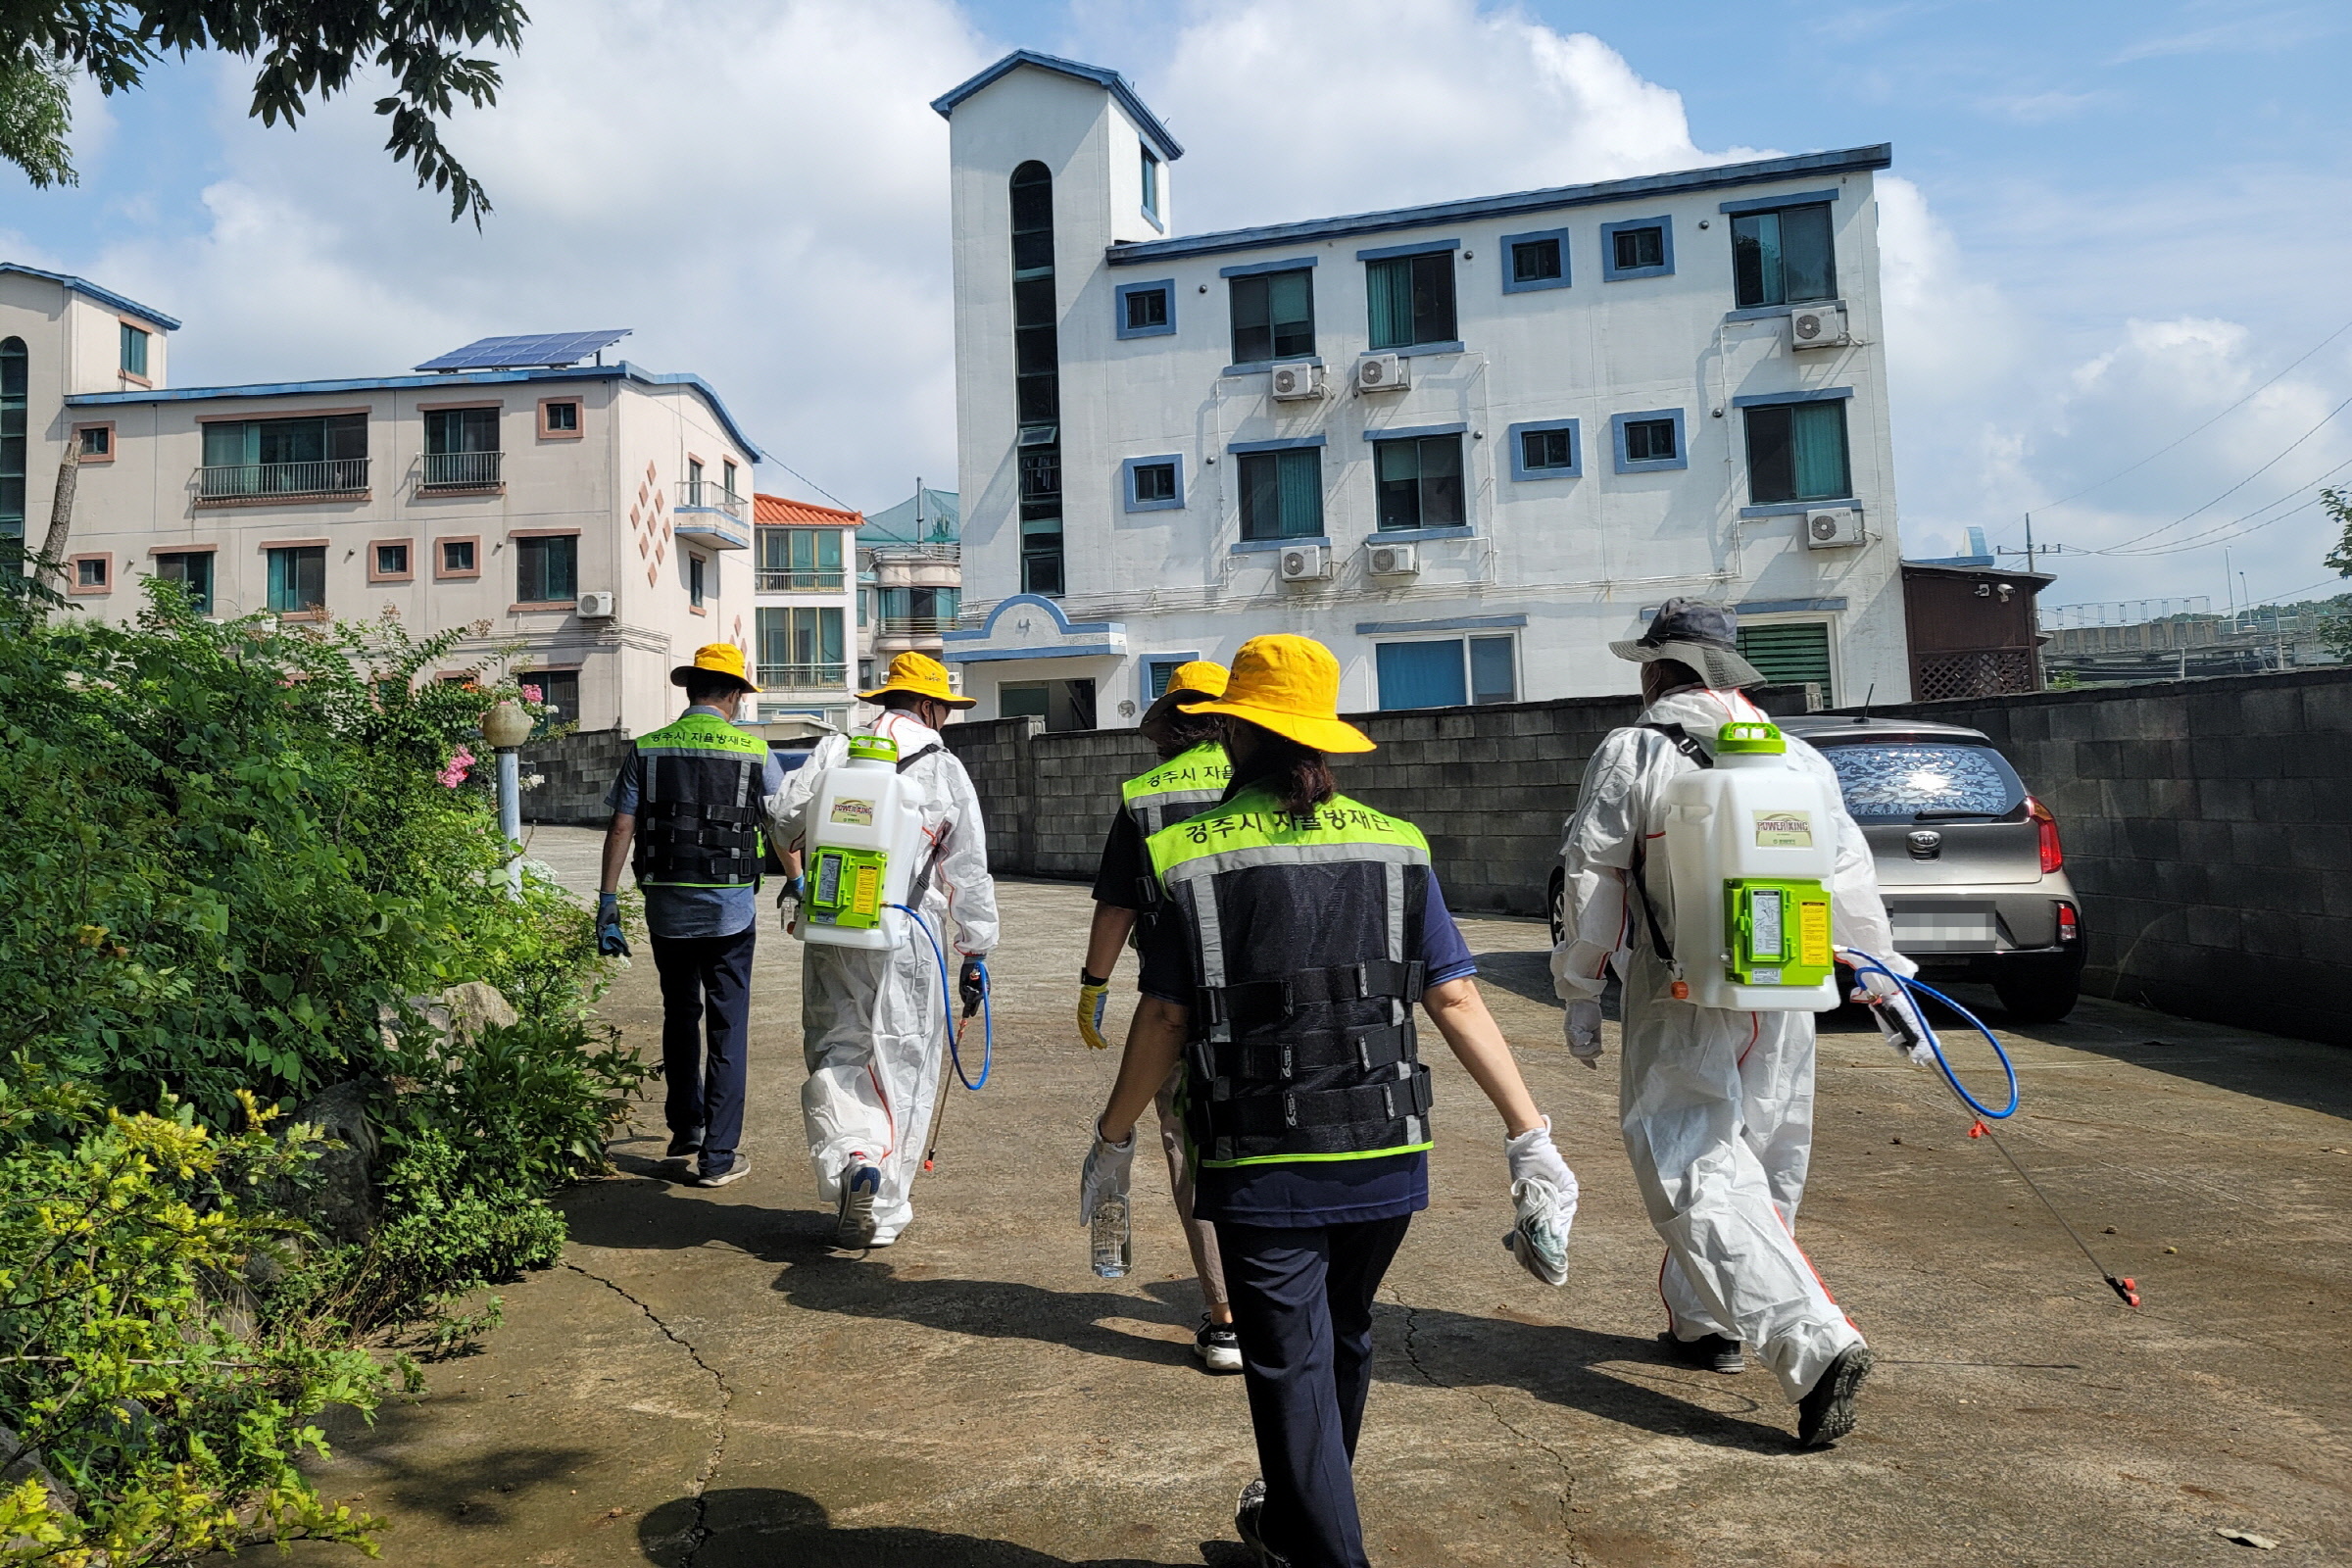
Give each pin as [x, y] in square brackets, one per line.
[1749, 738]
[882, 748]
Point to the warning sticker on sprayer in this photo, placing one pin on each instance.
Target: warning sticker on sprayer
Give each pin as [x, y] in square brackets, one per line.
[862, 813]
[1784, 830]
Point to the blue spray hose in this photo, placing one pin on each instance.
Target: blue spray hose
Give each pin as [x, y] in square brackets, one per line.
[988, 1022]
[1915, 990]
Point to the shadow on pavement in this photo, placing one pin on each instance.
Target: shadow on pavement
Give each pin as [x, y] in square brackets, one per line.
[760, 1526]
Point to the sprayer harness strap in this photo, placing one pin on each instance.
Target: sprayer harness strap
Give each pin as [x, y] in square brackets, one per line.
[1682, 741]
[921, 882]
[1349, 982]
[1367, 1048]
[1373, 1104]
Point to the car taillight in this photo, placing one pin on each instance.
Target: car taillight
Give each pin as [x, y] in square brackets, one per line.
[2070, 927]
[2046, 825]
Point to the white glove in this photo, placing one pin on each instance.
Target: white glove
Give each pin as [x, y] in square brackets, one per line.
[1543, 1196]
[1533, 1158]
[1897, 1015]
[1583, 1032]
[1108, 1167]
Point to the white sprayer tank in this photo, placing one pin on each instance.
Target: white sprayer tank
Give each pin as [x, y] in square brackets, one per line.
[863, 841]
[1752, 842]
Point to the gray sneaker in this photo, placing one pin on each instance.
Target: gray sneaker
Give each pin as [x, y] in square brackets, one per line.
[733, 1173]
[853, 1225]
[1710, 1351]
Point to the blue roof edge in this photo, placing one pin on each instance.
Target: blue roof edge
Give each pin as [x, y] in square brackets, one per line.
[105, 296]
[1846, 160]
[1101, 76]
[379, 383]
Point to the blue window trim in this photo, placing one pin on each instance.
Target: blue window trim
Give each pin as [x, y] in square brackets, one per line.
[1159, 166]
[986, 655]
[1127, 483]
[1146, 122]
[1405, 628]
[1406, 351]
[1118, 319]
[1389, 253]
[1143, 671]
[1153, 218]
[1288, 443]
[1265, 366]
[1682, 445]
[1761, 400]
[1407, 432]
[1575, 450]
[1791, 509]
[1254, 268]
[1611, 272]
[1256, 547]
[1511, 286]
[1771, 203]
[1406, 536]
[1061, 621]
[1790, 607]
[1757, 312]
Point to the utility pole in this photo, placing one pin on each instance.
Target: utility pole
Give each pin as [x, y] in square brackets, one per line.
[2031, 550]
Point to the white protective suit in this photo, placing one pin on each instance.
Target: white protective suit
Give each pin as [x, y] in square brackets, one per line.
[1717, 1106]
[871, 1025]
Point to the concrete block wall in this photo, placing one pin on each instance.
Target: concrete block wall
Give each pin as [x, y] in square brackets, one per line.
[575, 771]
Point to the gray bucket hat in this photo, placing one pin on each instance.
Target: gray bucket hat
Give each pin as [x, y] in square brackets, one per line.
[1696, 633]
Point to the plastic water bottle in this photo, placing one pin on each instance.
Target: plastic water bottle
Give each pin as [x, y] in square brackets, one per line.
[1113, 1240]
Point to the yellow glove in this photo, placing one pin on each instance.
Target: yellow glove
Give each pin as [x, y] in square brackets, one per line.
[1093, 997]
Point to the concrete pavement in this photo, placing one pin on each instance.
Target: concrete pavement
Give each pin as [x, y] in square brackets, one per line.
[702, 1383]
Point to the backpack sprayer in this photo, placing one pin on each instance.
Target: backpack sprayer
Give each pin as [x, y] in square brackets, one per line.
[1751, 843]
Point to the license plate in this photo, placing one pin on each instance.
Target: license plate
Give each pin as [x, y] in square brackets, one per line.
[1943, 932]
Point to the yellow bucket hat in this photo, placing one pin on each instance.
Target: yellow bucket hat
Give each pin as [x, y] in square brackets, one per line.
[922, 675]
[1290, 685]
[716, 658]
[1190, 683]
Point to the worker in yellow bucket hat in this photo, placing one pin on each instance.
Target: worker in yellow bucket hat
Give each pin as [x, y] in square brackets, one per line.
[870, 1017]
[1296, 929]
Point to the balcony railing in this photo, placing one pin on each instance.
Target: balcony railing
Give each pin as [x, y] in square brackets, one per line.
[917, 625]
[705, 495]
[777, 580]
[245, 481]
[460, 471]
[803, 677]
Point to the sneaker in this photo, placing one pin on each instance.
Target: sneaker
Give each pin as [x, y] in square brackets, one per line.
[1710, 1351]
[735, 1172]
[1248, 1518]
[854, 1226]
[1217, 1346]
[1827, 1412]
[683, 1147]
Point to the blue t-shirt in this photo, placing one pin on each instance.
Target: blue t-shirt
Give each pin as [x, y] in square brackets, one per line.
[680, 913]
[1309, 1193]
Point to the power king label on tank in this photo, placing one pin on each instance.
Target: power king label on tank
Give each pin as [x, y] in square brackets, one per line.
[1783, 830]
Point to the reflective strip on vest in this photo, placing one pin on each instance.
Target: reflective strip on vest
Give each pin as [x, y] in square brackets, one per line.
[699, 805]
[1179, 788]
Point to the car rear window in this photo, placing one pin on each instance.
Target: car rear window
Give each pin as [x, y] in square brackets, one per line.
[1896, 780]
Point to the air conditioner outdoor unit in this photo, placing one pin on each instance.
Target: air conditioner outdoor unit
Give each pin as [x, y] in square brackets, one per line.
[1391, 560]
[1304, 564]
[1298, 378]
[596, 605]
[1382, 372]
[1817, 326]
[1832, 528]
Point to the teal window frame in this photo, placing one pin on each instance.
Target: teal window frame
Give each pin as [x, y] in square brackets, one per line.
[1799, 451]
[134, 350]
[16, 383]
[1410, 299]
[550, 563]
[1281, 489]
[297, 579]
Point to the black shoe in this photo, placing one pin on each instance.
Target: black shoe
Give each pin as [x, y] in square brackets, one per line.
[1246, 1522]
[1218, 1347]
[1827, 1413]
[1710, 1351]
[683, 1147]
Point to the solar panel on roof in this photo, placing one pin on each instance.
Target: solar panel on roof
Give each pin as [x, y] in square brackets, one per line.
[532, 350]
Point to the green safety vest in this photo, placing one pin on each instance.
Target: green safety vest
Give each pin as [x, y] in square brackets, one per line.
[1183, 786]
[1305, 935]
[699, 803]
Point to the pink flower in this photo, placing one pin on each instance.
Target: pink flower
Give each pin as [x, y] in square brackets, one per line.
[530, 694]
[454, 773]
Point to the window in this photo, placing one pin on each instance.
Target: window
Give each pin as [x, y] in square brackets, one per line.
[15, 387]
[1783, 257]
[559, 689]
[1641, 247]
[297, 579]
[1157, 672]
[1282, 493]
[1790, 652]
[1546, 450]
[559, 416]
[1535, 260]
[1153, 484]
[547, 569]
[1036, 377]
[1448, 674]
[1150, 173]
[1411, 300]
[798, 560]
[91, 573]
[1418, 483]
[1147, 310]
[694, 481]
[321, 454]
[192, 570]
[389, 562]
[1650, 440]
[1065, 705]
[134, 350]
[1041, 556]
[727, 471]
[698, 568]
[94, 443]
[1796, 452]
[459, 559]
[801, 647]
[460, 449]
[1273, 315]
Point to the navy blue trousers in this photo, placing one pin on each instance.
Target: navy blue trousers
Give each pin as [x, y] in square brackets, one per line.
[706, 992]
[1302, 1310]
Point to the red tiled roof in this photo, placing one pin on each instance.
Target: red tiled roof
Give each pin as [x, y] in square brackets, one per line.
[776, 510]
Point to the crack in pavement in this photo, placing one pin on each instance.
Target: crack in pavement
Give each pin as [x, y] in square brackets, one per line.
[697, 1533]
[1567, 1493]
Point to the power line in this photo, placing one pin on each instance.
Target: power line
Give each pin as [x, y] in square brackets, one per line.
[812, 484]
[2234, 489]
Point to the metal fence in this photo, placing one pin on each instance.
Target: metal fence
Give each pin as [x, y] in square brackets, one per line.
[462, 470]
[324, 477]
[803, 678]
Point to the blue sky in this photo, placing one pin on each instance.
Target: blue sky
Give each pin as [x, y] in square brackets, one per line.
[2109, 224]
